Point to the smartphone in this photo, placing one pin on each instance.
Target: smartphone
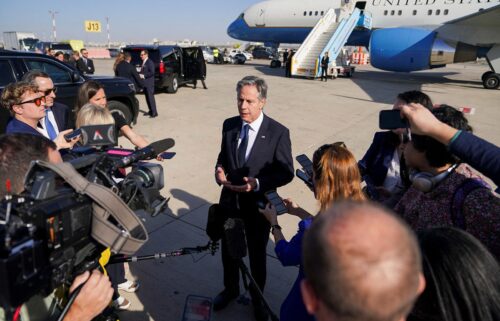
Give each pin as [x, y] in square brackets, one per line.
[306, 164]
[276, 201]
[391, 119]
[197, 308]
[304, 177]
[73, 134]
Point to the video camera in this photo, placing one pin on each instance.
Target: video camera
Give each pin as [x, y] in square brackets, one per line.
[69, 214]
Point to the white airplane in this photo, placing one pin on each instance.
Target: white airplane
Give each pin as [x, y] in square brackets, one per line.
[406, 35]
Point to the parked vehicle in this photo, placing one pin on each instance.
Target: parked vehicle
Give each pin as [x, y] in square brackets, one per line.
[120, 92]
[238, 59]
[57, 46]
[24, 41]
[174, 65]
[234, 52]
[263, 53]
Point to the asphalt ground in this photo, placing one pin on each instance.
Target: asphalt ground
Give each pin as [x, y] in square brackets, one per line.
[345, 109]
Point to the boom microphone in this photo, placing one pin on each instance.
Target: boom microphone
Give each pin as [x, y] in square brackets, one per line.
[235, 238]
[147, 152]
[215, 223]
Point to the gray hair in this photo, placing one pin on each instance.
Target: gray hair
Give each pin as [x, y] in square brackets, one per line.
[259, 83]
[33, 74]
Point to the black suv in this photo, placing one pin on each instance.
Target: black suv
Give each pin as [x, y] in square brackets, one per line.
[174, 65]
[120, 92]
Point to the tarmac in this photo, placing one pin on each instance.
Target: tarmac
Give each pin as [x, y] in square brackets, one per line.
[344, 109]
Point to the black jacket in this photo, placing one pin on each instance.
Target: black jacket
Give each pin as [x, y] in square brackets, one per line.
[88, 68]
[126, 70]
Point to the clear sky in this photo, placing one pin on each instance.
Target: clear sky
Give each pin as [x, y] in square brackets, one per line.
[130, 21]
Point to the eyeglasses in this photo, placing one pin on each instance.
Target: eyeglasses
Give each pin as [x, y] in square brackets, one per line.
[37, 101]
[49, 91]
[327, 146]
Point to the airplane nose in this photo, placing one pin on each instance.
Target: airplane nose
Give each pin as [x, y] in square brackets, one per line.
[235, 28]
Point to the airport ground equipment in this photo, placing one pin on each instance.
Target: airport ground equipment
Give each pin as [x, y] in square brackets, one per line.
[329, 35]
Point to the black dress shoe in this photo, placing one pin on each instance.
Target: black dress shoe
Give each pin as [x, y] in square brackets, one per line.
[260, 312]
[147, 113]
[153, 116]
[223, 299]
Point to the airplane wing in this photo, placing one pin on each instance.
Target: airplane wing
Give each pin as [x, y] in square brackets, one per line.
[477, 29]
[489, 18]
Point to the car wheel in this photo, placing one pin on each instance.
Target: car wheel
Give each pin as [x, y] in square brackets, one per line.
[120, 109]
[174, 85]
[491, 81]
[486, 74]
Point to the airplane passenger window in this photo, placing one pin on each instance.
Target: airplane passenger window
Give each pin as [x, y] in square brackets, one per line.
[385, 12]
[310, 13]
[316, 13]
[429, 12]
[305, 13]
[392, 12]
[445, 12]
[414, 12]
[399, 12]
[322, 13]
[438, 12]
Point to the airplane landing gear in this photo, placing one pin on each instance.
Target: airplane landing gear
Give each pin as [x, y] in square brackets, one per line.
[491, 80]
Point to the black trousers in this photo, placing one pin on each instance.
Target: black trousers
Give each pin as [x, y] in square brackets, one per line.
[257, 235]
[149, 92]
[324, 73]
[116, 274]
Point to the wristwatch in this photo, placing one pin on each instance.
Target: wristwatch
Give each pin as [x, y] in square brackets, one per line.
[275, 227]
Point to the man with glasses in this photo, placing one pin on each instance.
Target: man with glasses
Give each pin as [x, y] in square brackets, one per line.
[57, 115]
[85, 65]
[27, 107]
[148, 74]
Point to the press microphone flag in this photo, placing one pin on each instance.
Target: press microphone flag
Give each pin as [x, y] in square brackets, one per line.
[215, 223]
[147, 152]
[234, 231]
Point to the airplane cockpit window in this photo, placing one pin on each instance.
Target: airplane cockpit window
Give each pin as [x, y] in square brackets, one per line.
[241, 16]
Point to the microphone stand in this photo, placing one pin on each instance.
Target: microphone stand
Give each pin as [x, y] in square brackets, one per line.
[245, 273]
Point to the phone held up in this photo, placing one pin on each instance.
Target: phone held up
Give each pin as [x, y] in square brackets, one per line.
[391, 119]
[273, 198]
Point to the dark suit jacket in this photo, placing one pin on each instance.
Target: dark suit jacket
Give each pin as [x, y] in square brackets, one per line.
[270, 161]
[126, 70]
[324, 62]
[148, 70]
[85, 68]
[375, 164]
[17, 126]
[62, 116]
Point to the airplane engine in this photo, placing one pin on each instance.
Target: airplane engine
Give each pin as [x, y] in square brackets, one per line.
[411, 49]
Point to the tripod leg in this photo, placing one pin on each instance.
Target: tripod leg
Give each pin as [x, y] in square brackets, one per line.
[246, 274]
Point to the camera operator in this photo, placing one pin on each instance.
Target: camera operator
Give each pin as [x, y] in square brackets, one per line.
[16, 153]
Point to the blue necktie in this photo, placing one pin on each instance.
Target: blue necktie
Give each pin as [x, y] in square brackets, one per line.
[242, 150]
[49, 127]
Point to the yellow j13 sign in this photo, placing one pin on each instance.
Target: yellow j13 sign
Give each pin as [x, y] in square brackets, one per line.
[92, 26]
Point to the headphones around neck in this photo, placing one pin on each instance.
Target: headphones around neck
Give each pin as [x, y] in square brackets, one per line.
[425, 182]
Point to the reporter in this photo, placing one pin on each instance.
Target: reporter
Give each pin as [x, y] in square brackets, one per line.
[17, 151]
[27, 107]
[463, 278]
[477, 152]
[335, 177]
[93, 92]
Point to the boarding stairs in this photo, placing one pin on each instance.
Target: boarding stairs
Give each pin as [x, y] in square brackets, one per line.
[329, 35]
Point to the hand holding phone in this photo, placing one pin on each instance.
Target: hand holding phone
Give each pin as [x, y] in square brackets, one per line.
[276, 201]
[69, 137]
[306, 164]
[304, 177]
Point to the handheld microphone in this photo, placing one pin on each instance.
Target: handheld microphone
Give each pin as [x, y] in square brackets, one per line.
[235, 238]
[147, 152]
[215, 223]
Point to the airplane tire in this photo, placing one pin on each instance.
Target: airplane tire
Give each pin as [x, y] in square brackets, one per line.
[486, 74]
[491, 81]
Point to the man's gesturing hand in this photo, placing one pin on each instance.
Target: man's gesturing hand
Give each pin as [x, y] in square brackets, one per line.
[220, 176]
[94, 296]
[251, 184]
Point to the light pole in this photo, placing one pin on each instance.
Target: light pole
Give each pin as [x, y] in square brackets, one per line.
[53, 14]
[107, 28]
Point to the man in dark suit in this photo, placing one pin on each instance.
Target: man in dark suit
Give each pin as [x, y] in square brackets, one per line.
[57, 116]
[126, 70]
[324, 67]
[255, 157]
[85, 65]
[148, 74]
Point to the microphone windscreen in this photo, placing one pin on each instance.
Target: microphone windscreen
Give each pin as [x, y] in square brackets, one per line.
[215, 223]
[234, 231]
[162, 145]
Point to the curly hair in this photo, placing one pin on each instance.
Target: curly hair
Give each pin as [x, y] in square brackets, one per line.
[13, 93]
